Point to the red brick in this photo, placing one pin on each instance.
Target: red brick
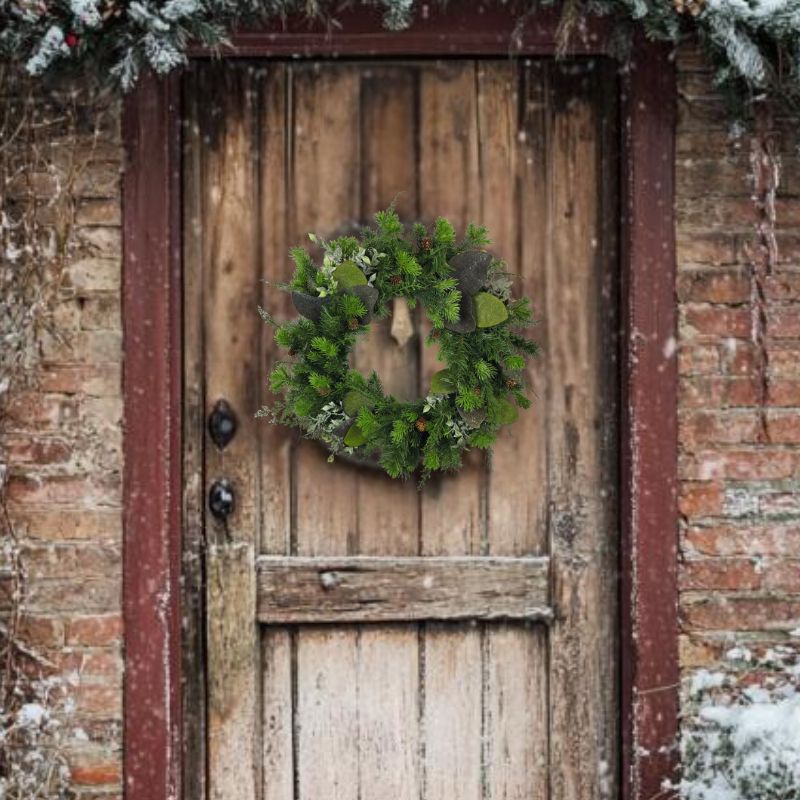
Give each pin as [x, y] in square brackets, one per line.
[740, 613]
[28, 449]
[75, 594]
[65, 524]
[756, 464]
[705, 248]
[783, 323]
[29, 411]
[98, 699]
[707, 320]
[783, 427]
[698, 359]
[738, 358]
[717, 573]
[718, 392]
[40, 631]
[699, 428]
[782, 576]
[713, 286]
[92, 664]
[752, 540]
[700, 499]
[782, 286]
[96, 380]
[65, 560]
[784, 393]
[101, 773]
[64, 489]
[784, 360]
[94, 631]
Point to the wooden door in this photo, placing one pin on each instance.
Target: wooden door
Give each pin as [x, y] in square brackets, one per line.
[366, 641]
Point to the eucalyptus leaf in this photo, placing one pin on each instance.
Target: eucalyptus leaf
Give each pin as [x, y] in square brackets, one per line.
[355, 436]
[441, 382]
[489, 311]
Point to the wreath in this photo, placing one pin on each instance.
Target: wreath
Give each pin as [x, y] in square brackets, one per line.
[466, 295]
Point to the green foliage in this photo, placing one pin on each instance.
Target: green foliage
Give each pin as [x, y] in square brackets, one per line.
[469, 400]
[752, 45]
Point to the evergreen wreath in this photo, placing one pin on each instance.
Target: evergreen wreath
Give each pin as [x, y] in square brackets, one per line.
[466, 295]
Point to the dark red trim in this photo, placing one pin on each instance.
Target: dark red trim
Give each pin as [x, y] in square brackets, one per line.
[152, 300]
[438, 30]
[153, 481]
[649, 627]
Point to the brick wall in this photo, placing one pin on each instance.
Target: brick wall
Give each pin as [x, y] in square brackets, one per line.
[739, 500]
[739, 362]
[62, 441]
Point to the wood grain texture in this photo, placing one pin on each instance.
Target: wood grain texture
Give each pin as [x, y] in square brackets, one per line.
[515, 732]
[232, 693]
[452, 510]
[230, 335]
[431, 710]
[581, 409]
[391, 589]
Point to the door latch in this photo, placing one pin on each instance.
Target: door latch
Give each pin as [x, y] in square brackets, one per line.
[221, 499]
[222, 424]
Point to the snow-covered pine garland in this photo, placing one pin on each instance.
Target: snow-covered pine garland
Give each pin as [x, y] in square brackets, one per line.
[753, 44]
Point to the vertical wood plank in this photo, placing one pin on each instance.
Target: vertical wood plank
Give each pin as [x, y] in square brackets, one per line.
[277, 715]
[324, 180]
[231, 332]
[388, 674]
[389, 509]
[515, 656]
[452, 508]
[275, 441]
[581, 425]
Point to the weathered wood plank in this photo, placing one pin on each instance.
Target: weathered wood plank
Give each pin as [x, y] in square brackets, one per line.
[232, 693]
[323, 184]
[388, 670]
[374, 589]
[327, 714]
[452, 508]
[276, 717]
[582, 432]
[277, 737]
[515, 732]
[231, 331]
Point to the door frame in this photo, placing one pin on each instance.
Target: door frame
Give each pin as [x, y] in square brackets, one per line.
[156, 674]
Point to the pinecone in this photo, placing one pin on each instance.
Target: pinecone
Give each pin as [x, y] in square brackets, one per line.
[435, 333]
[477, 391]
[353, 324]
[511, 383]
[421, 425]
[692, 7]
[323, 392]
[292, 351]
[395, 280]
[425, 243]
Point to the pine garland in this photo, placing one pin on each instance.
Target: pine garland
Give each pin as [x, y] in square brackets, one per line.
[754, 45]
[466, 295]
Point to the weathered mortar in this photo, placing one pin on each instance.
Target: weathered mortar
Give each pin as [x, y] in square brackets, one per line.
[740, 513]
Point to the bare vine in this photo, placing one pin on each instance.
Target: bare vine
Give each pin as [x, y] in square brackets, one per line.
[40, 167]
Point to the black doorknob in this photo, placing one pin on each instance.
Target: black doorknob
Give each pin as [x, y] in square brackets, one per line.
[222, 424]
[221, 499]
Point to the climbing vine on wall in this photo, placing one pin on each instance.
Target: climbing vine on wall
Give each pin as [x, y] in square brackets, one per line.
[754, 45]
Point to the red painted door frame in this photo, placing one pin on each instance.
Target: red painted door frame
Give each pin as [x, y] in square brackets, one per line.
[152, 298]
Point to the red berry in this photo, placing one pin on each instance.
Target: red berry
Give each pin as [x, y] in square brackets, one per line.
[72, 39]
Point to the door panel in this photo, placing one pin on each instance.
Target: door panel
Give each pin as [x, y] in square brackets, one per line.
[523, 707]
